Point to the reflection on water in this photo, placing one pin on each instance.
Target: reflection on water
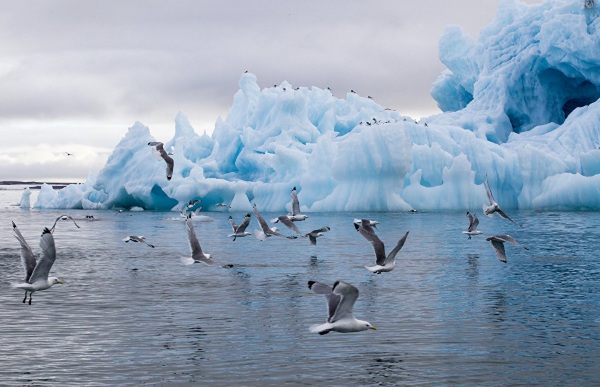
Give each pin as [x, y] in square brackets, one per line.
[450, 313]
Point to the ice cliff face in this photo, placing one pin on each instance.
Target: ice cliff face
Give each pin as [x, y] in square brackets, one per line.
[520, 107]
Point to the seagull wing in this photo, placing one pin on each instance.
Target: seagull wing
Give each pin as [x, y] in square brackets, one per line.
[393, 253]
[233, 225]
[502, 214]
[367, 231]
[165, 156]
[242, 227]
[489, 192]
[333, 300]
[348, 294]
[312, 238]
[27, 257]
[48, 257]
[510, 239]
[197, 253]
[261, 221]
[69, 217]
[498, 246]
[285, 220]
[295, 202]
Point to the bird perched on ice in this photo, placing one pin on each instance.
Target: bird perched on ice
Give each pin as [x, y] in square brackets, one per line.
[137, 239]
[266, 230]
[198, 256]
[383, 263]
[36, 272]
[159, 147]
[295, 216]
[497, 242]
[340, 301]
[494, 207]
[473, 223]
[240, 231]
[64, 217]
[314, 234]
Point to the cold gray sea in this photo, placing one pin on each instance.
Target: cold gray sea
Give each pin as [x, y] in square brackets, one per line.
[449, 314]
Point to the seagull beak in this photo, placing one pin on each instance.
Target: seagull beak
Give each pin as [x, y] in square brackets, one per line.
[59, 282]
[373, 327]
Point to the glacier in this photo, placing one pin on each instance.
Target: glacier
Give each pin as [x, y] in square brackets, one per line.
[519, 106]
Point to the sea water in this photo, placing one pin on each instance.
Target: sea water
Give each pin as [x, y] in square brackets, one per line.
[450, 313]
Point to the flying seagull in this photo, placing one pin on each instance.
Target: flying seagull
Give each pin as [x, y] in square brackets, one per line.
[36, 273]
[383, 263]
[240, 231]
[295, 216]
[64, 217]
[497, 242]
[340, 300]
[372, 223]
[137, 238]
[314, 234]
[165, 156]
[198, 256]
[266, 231]
[494, 207]
[473, 223]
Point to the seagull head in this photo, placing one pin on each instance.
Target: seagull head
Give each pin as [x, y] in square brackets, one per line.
[54, 281]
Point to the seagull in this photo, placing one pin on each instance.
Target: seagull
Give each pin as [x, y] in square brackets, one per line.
[197, 255]
[63, 217]
[69, 154]
[382, 263]
[497, 242]
[165, 156]
[316, 233]
[137, 238]
[266, 231]
[296, 216]
[340, 300]
[223, 205]
[240, 231]
[358, 222]
[493, 207]
[36, 273]
[473, 222]
[89, 218]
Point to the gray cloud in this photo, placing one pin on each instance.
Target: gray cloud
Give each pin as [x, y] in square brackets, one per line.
[104, 65]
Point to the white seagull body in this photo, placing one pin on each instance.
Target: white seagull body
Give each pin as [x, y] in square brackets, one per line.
[383, 263]
[198, 256]
[473, 223]
[138, 239]
[240, 231]
[340, 301]
[36, 273]
[494, 207]
[165, 156]
[497, 242]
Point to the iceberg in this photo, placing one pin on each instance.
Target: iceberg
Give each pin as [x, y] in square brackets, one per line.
[519, 106]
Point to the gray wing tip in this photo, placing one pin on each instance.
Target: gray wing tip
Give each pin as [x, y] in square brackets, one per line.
[14, 225]
[46, 231]
[335, 285]
[311, 283]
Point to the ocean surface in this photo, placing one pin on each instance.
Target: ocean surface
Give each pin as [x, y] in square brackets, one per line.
[449, 314]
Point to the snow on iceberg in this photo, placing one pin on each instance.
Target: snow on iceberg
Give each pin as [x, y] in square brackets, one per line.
[520, 107]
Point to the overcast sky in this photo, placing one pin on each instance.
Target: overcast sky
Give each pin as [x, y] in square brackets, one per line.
[74, 75]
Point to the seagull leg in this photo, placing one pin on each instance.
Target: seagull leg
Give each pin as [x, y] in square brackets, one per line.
[30, 293]
[25, 299]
